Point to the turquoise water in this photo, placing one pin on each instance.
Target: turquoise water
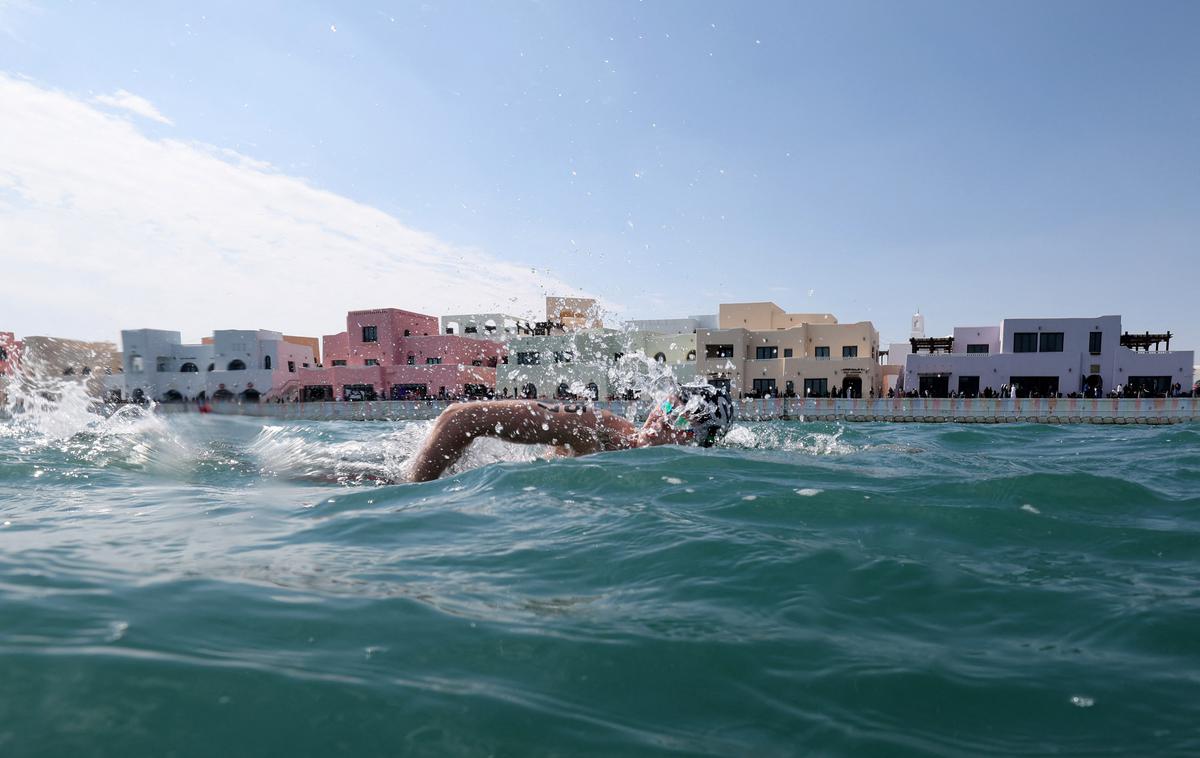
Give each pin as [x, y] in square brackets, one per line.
[209, 586]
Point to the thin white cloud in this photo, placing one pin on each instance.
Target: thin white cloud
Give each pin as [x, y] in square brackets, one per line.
[104, 228]
[126, 100]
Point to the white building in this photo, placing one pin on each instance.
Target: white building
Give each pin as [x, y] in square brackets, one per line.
[1045, 357]
[492, 326]
[579, 363]
[241, 364]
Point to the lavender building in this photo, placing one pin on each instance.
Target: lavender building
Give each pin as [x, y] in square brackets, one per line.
[1047, 356]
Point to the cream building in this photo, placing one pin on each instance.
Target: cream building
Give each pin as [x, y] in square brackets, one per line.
[760, 350]
[574, 312]
[47, 361]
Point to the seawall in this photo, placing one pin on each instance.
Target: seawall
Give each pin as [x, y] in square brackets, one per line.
[916, 410]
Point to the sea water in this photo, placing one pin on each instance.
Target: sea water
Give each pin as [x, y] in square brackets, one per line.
[217, 586]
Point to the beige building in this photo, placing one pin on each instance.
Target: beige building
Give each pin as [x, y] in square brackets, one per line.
[760, 350]
[574, 313]
[45, 361]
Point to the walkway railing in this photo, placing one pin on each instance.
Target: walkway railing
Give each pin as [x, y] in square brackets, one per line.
[930, 410]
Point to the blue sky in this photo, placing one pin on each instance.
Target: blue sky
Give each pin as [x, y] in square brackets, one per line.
[977, 160]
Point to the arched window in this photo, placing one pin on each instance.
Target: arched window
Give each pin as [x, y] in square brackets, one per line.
[236, 365]
[267, 362]
[660, 358]
[593, 391]
[691, 356]
[212, 366]
[564, 391]
[189, 368]
[530, 391]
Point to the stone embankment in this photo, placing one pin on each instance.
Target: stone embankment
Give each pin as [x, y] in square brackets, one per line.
[916, 410]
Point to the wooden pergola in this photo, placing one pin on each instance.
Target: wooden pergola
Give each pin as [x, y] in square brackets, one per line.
[932, 344]
[1144, 341]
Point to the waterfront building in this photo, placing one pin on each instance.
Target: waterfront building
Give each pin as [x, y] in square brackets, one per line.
[485, 326]
[572, 313]
[312, 343]
[1045, 357]
[233, 364]
[580, 363]
[10, 359]
[760, 350]
[389, 353]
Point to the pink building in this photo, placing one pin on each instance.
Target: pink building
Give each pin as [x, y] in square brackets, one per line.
[10, 353]
[388, 353]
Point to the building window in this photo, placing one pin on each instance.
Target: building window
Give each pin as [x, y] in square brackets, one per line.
[267, 362]
[371, 334]
[766, 352]
[789, 388]
[135, 364]
[850, 351]
[691, 356]
[1025, 342]
[531, 358]
[292, 367]
[471, 330]
[787, 352]
[432, 361]
[69, 371]
[3, 354]
[718, 351]
[212, 366]
[371, 362]
[978, 349]
[338, 363]
[189, 368]
[617, 357]
[764, 387]
[1051, 342]
[563, 356]
[407, 333]
[816, 387]
[660, 357]
[1094, 342]
[822, 353]
[412, 360]
[236, 365]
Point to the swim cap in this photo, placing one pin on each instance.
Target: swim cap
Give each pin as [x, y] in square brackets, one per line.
[707, 410]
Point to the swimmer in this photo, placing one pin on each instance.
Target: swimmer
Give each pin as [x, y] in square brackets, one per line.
[698, 414]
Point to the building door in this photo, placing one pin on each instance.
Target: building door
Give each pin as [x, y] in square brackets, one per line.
[316, 393]
[764, 387]
[529, 391]
[968, 386]
[1093, 386]
[852, 386]
[1035, 386]
[934, 385]
[409, 391]
[356, 392]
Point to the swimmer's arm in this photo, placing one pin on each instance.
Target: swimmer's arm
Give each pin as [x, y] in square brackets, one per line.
[510, 420]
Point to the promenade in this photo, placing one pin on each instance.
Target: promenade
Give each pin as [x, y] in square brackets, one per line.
[911, 410]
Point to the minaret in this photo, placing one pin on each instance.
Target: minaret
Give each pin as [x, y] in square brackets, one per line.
[918, 325]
